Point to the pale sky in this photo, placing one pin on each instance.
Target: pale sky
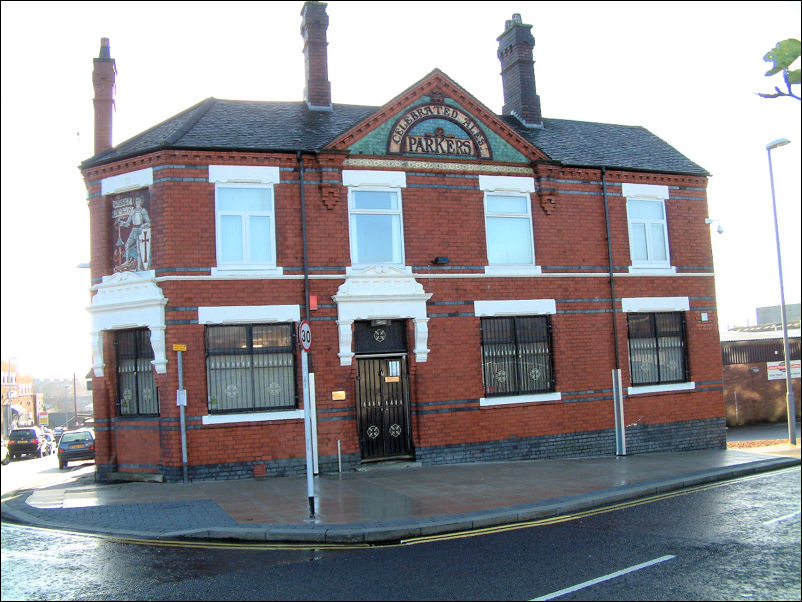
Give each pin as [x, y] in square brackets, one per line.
[688, 72]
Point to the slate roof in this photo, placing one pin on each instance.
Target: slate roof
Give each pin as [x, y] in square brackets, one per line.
[235, 125]
[589, 144]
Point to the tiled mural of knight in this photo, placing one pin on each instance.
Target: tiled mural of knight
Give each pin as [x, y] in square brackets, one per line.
[131, 220]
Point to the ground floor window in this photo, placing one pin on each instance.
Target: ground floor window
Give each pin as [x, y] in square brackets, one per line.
[657, 348]
[516, 355]
[136, 388]
[251, 367]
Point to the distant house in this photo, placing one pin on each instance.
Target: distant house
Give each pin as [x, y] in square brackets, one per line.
[477, 284]
[20, 404]
[752, 369]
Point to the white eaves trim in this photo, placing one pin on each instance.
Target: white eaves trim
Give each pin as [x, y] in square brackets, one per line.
[661, 388]
[485, 402]
[141, 178]
[244, 173]
[644, 191]
[517, 307]
[245, 314]
[507, 183]
[252, 417]
[367, 177]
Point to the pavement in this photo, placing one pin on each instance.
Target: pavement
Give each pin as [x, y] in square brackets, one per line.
[385, 502]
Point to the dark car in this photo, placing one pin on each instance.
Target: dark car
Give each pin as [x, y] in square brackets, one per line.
[76, 445]
[28, 441]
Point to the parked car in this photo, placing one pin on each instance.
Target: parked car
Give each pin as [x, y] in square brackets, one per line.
[76, 445]
[28, 441]
[58, 432]
[6, 458]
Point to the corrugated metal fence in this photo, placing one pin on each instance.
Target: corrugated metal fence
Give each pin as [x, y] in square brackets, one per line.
[750, 352]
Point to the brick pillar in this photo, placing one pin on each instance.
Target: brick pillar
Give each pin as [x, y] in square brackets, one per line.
[515, 51]
[103, 80]
[317, 92]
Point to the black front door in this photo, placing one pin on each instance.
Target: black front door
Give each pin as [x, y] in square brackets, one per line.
[383, 407]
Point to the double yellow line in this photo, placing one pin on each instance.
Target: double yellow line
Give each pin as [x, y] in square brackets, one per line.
[569, 517]
[238, 545]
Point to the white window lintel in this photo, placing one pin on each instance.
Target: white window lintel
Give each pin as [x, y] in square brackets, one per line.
[654, 304]
[248, 314]
[515, 307]
[644, 191]
[256, 174]
[507, 183]
[368, 177]
[142, 178]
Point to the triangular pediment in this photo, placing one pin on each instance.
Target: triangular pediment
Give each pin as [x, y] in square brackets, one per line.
[437, 118]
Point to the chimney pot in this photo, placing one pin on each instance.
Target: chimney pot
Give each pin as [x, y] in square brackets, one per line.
[515, 51]
[103, 76]
[105, 51]
[314, 24]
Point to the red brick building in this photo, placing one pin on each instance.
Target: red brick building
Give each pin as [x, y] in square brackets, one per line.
[473, 281]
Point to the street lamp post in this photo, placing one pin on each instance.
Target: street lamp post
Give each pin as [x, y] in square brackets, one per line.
[64, 405]
[789, 390]
[8, 415]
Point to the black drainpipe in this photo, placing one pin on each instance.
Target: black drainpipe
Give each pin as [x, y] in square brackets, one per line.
[610, 257]
[303, 235]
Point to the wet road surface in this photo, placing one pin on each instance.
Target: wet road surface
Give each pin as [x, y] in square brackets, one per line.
[732, 541]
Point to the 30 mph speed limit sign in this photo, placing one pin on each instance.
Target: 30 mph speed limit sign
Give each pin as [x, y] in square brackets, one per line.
[305, 335]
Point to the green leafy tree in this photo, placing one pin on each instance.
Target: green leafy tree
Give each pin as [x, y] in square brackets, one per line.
[783, 56]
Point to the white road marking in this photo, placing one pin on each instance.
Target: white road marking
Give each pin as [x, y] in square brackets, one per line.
[777, 520]
[603, 578]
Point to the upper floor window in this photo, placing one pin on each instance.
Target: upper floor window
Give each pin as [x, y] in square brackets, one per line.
[136, 388]
[657, 348]
[245, 217]
[250, 367]
[376, 227]
[246, 233]
[508, 227]
[375, 219]
[648, 226]
[508, 224]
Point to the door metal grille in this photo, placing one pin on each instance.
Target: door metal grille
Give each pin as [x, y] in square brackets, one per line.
[383, 407]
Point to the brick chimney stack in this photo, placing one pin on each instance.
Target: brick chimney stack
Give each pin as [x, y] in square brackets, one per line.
[103, 79]
[515, 51]
[317, 92]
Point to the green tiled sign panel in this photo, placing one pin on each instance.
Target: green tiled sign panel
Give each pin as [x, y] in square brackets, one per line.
[376, 142]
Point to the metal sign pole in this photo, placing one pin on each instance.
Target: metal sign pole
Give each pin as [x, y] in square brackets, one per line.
[310, 483]
[181, 402]
[305, 338]
[618, 408]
